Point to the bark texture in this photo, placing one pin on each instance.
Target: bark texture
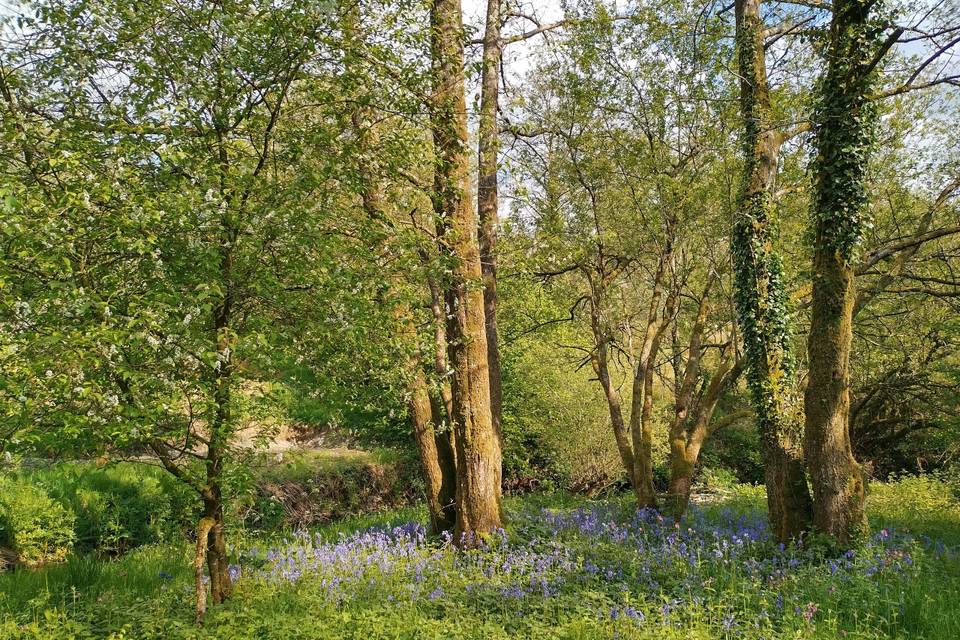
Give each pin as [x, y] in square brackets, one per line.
[760, 296]
[487, 197]
[441, 400]
[843, 122]
[438, 480]
[478, 452]
[221, 585]
[199, 560]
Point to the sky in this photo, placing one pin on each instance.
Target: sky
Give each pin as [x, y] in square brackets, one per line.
[517, 55]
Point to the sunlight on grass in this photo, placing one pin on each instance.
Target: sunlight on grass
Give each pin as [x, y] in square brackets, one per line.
[565, 567]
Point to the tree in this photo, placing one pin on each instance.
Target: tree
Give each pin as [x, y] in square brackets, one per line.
[487, 201]
[695, 401]
[428, 409]
[177, 243]
[844, 126]
[761, 297]
[624, 188]
[477, 443]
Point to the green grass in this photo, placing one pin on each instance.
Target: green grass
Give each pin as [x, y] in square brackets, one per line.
[303, 464]
[915, 593]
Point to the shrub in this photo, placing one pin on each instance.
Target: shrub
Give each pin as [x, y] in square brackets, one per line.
[922, 504]
[117, 507]
[120, 507]
[737, 448]
[716, 480]
[556, 425]
[34, 528]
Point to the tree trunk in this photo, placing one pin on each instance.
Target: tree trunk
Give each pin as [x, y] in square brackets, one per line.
[221, 585]
[760, 295]
[477, 443]
[442, 404]
[601, 365]
[444, 442]
[221, 423]
[641, 410]
[440, 352]
[487, 199]
[427, 419]
[439, 505]
[683, 461]
[843, 121]
[838, 480]
[685, 442]
[643, 439]
[199, 560]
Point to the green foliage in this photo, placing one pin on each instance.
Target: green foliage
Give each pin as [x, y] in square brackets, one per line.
[925, 504]
[34, 528]
[555, 425]
[716, 480]
[118, 507]
[113, 510]
[845, 119]
[736, 449]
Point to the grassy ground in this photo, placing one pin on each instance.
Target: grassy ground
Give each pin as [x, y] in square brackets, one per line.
[565, 568]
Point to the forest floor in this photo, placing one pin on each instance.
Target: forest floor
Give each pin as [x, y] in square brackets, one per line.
[565, 567]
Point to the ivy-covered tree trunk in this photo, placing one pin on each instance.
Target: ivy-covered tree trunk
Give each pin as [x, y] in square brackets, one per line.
[477, 443]
[487, 197]
[760, 297]
[843, 121]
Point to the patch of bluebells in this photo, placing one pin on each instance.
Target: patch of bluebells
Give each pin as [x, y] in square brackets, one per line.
[649, 568]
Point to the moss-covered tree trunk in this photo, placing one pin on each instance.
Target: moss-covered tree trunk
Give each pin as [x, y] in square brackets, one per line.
[477, 443]
[693, 412]
[843, 122]
[427, 417]
[487, 197]
[760, 297]
[221, 585]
